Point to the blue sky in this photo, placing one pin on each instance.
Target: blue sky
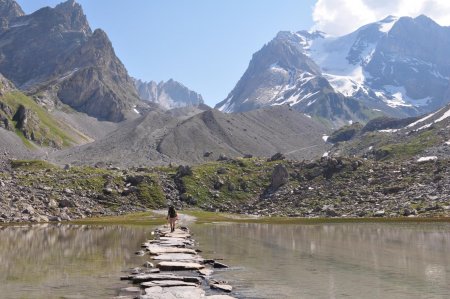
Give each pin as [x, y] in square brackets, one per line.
[205, 44]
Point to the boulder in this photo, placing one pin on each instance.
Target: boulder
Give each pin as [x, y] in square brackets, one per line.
[276, 157]
[183, 170]
[280, 176]
[65, 203]
[28, 209]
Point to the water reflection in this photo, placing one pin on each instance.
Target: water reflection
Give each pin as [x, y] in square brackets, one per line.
[72, 261]
[333, 260]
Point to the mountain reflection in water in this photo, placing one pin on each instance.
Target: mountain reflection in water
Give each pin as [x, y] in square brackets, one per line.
[70, 261]
[365, 260]
[351, 260]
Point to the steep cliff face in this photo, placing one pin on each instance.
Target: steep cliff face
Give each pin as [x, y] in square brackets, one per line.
[59, 52]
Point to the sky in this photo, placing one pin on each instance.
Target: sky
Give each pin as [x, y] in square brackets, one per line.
[207, 44]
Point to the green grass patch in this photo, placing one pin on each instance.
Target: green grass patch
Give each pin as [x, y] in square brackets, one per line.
[235, 181]
[150, 192]
[413, 147]
[50, 129]
[32, 165]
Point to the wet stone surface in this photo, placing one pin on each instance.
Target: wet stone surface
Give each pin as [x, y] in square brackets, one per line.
[183, 272]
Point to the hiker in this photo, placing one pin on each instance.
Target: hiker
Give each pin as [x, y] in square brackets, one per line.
[172, 217]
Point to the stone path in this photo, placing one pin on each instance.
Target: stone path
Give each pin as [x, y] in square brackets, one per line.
[177, 270]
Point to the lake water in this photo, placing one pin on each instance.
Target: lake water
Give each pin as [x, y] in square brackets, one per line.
[358, 260]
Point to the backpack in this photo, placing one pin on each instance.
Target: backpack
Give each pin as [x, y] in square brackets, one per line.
[172, 212]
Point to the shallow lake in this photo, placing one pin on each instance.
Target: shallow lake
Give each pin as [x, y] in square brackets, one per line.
[351, 260]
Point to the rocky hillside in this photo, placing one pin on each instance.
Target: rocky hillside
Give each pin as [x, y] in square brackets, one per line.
[398, 139]
[160, 138]
[169, 95]
[76, 66]
[394, 67]
[329, 187]
[32, 124]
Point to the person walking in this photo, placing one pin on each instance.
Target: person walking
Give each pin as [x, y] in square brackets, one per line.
[172, 217]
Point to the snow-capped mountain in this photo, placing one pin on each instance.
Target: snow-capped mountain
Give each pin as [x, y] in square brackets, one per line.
[169, 95]
[397, 66]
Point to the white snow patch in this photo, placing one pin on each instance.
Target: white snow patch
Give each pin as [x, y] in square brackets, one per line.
[424, 127]
[325, 154]
[311, 102]
[422, 119]
[444, 116]
[276, 68]
[325, 138]
[388, 24]
[388, 131]
[307, 115]
[396, 96]
[350, 122]
[331, 55]
[425, 159]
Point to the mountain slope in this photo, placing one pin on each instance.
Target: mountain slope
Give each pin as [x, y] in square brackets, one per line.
[77, 66]
[169, 95]
[396, 67]
[391, 139]
[159, 138]
[34, 126]
[261, 132]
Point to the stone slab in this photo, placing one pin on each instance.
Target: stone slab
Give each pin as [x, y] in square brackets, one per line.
[177, 257]
[222, 287]
[206, 272]
[176, 266]
[155, 250]
[154, 277]
[168, 283]
[173, 293]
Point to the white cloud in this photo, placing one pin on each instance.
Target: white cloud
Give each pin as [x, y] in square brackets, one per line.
[337, 17]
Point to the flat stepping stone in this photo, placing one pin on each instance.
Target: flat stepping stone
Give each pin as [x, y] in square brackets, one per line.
[155, 250]
[176, 266]
[222, 287]
[173, 293]
[154, 277]
[178, 257]
[206, 272]
[168, 283]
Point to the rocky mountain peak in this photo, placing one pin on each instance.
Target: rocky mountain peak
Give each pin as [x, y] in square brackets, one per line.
[170, 94]
[74, 16]
[10, 9]
[396, 66]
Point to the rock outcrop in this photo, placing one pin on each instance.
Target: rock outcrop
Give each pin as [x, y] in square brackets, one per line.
[78, 66]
